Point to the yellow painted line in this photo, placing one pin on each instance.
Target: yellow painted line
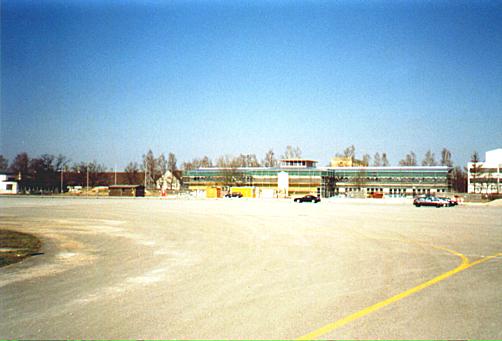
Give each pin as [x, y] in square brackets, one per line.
[337, 324]
[464, 259]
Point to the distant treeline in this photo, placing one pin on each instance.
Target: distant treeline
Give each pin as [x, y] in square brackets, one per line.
[51, 173]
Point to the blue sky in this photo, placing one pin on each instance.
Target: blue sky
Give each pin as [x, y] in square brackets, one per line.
[106, 81]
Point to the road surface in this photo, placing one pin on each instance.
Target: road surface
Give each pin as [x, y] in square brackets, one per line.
[252, 269]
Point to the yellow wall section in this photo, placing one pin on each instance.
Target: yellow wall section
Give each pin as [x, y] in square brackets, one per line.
[213, 192]
[247, 192]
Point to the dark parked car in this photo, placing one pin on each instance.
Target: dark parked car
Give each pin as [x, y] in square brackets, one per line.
[233, 195]
[430, 201]
[308, 198]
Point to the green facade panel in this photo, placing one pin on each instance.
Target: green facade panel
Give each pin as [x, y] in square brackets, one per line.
[329, 179]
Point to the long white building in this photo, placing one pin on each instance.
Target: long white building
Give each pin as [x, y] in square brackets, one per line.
[486, 177]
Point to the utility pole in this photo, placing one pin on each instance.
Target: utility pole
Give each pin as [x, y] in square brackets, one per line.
[145, 175]
[62, 170]
[498, 178]
[87, 191]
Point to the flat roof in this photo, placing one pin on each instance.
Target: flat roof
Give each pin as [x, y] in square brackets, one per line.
[344, 171]
[390, 168]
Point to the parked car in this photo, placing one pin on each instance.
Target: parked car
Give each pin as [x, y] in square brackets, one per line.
[430, 201]
[451, 202]
[308, 198]
[233, 195]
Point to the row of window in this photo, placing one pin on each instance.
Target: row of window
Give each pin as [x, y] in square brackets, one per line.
[344, 179]
[484, 170]
[397, 190]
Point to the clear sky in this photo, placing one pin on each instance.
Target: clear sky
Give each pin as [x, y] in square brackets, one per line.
[106, 81]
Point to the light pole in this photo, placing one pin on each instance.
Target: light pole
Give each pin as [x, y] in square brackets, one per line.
[498, 177]
[61, 170]
[145, 175]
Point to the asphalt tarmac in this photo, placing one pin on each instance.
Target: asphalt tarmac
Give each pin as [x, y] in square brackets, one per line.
[252, 269]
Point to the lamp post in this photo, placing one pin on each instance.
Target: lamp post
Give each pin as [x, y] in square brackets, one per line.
[145, 174]
[498, 177]
[62, 171]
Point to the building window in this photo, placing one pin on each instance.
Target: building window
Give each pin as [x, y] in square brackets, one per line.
[9, 187]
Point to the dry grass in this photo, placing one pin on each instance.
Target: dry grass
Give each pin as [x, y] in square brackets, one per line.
[16, 246]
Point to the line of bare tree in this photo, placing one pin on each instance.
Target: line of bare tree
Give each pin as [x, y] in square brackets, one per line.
[458, 175]
[230, 164]
[151, 169]
[379, 160]
[45, 171]
[48, 173]
[410, 159]
[429, 159]
[243, 160]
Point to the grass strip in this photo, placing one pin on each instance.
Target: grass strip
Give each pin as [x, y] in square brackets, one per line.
[16, 246]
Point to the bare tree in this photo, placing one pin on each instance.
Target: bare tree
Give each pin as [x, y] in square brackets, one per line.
[47, 162]
[429, 159]
[385, 161]
[446, 158]
[230, 173]
[240, 161]
[270, 160]
[132, 173]
[96, 174]
[20, 165]
[61, 162]
[409, 160]
[366, 159]
[197, 163]
[88, 173]
[150, 168]
[459, 180]
[292, 153]
[4, 164]
[187, 165]
[224, 161]
[377, 160]
[172, 167]
[252, 160]
[246, 160]
[171, 163]
[206, 162]
[161, 166]
[476, 169]
[350, 152]
[79, 171]
[41, 172]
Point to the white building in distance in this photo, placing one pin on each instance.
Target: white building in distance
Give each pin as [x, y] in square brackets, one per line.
[168, 182]
[485, 177]
[8, 185]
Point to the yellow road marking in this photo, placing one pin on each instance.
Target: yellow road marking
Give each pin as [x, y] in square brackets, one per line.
[337, 324]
